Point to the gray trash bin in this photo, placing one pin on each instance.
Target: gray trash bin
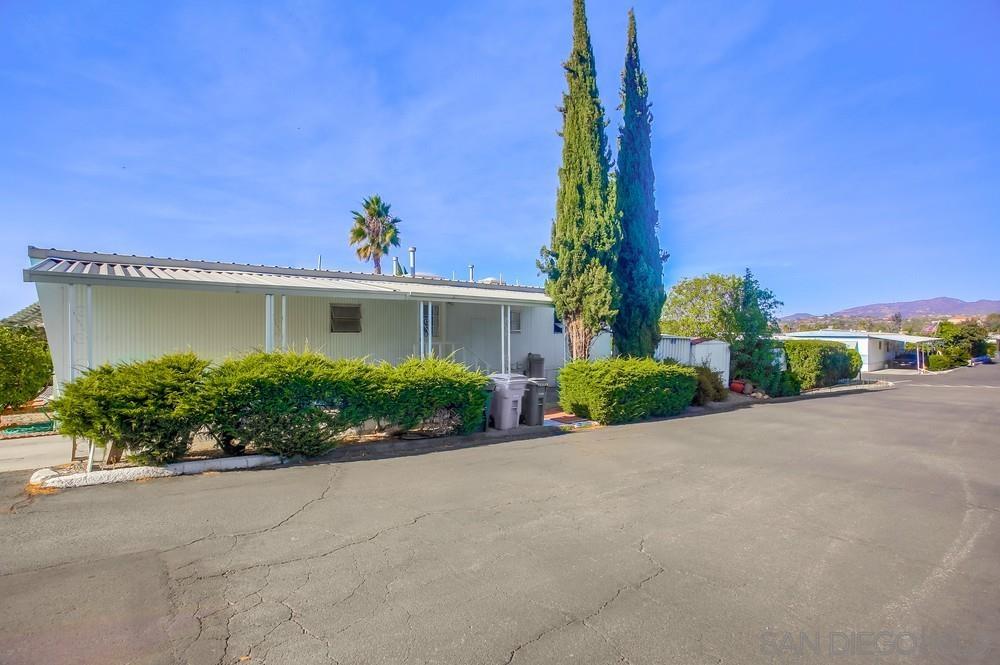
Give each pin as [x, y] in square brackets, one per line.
[533, 404]
[506, 405]
[536, 365]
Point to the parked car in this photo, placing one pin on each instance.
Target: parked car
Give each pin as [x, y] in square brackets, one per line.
[981, 360]
[905, 360]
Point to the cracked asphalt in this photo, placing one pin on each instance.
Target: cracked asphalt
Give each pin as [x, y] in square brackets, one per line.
[721, 538]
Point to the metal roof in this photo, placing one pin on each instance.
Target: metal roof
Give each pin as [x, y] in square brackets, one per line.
[857, 334]
[72, 267]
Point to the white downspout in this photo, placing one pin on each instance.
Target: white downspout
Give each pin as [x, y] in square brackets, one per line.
[90, 327]
[70, 315]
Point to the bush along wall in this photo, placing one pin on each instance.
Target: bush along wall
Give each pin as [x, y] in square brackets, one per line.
[817, 363]
[285, 403]
[142, 407]
[620, 390]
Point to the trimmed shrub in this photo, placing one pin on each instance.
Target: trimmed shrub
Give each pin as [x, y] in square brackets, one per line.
[619, 390]
[710, 388]
[436, 393]
[938, 362]
[25, 366]
[284, 402]
[142, 407]
[817, 363]
[302, 403]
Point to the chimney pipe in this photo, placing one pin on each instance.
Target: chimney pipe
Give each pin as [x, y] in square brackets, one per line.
[472, 272]
[413, 262]
[397, 269]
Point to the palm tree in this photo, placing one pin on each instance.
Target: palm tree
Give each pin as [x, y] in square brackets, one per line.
[374, 230]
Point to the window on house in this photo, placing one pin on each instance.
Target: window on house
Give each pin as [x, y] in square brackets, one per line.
[515, 320]
[345, 318]
[557, 325]
[435, 313]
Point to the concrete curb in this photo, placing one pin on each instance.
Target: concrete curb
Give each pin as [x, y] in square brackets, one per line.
[49, 478]
[105, 477]
[224, 464]
[379, 450]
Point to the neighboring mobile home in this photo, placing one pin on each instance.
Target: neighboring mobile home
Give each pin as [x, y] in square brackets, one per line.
[106, 308]
[877, 349]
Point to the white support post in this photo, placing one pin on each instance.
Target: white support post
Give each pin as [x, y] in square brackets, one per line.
[430, 329]
[268, 323]
[420, 320]
[284, 322]
[503, 338]
[510, 353]
[90, 327]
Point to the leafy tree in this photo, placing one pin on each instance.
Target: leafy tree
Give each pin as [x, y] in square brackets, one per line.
[580, 260]
[749, 327]
[897, 322]
[374, 231]
[737, 310]
[992, 322]
[639, 271]
[696, 306]
[962, 341]
[25, 366]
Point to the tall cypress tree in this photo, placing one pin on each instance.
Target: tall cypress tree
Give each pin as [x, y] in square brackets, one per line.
[580, 260]
[639, 271]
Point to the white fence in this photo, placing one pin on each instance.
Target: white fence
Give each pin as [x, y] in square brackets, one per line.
[713, 353]
[674, 348]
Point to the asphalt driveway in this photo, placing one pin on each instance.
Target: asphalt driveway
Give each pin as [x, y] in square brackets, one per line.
[827, 530]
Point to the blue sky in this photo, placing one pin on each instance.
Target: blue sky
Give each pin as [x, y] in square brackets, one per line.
[848, 152]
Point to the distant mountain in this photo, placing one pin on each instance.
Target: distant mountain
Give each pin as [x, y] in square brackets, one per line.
[798, 316]
[930, 307]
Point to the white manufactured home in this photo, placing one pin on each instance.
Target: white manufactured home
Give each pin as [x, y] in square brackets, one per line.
[107, 308]
[877, 349]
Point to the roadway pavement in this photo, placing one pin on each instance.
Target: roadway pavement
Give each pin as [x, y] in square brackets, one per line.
[34, 452]
[821, 530]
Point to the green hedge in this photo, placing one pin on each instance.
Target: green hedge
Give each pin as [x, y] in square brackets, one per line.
[286, 403]
[440, 393]
[619, 390]
[818, 363]
[144, 407]
[938, 362]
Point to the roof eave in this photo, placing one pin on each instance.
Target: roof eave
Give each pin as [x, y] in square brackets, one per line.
[483, 297]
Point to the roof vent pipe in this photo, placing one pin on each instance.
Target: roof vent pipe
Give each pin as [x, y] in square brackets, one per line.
[397, 269]
[472, 272]
[413, 262]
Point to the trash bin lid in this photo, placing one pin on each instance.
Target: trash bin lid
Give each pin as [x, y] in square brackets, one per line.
[515, 381]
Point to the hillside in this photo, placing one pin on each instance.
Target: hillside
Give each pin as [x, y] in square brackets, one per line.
[930, 307]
